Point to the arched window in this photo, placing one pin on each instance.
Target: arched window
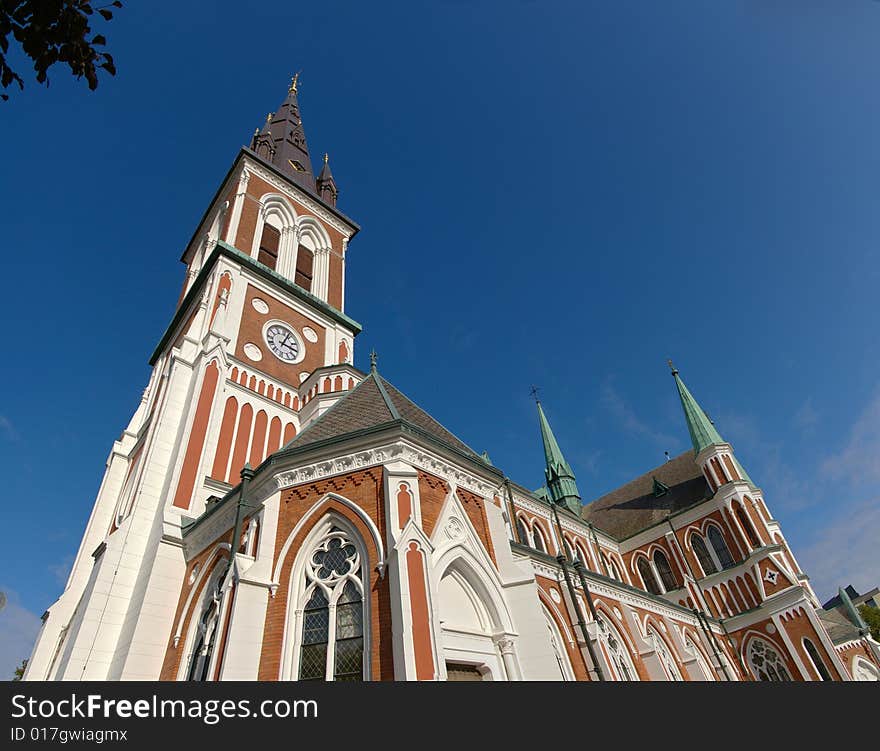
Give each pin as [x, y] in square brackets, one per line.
[568, 552]
[331, 635]
[539, 538]
[747, 526]
[305, 261]
[665, 571]
[716, 540]
[611, 567]
[862, 670]
[817, 660]
[270, 240]
[648, 576]
[581, 555]
[708, 675]
[206, 629]
[617, 651]
[766, 662]
[706, 562]
[667, 661]
[522, 531]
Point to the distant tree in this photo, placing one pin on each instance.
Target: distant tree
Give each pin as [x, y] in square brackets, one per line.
[872, 618]
[19, 672]
[54, 31]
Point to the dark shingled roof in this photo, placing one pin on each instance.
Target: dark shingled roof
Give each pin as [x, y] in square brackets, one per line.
[838, 626]
[634, 506]
[366, 406]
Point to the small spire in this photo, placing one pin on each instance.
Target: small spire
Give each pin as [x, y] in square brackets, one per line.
[703, 432]
[374, 358]
[326, 157]
[293, 83]
[560, 478]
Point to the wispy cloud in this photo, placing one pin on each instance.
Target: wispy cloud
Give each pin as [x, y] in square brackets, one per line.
[18, 631]
[859, 460]
[61, 570]
[631, 423]
[806, 417]
[7, 429]
[845, 551]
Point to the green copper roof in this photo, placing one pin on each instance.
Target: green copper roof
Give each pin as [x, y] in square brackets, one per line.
[854, 615]
[700, 427]
[560, 477]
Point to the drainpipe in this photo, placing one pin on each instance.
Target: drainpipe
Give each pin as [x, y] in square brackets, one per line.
[598, 549]
[514, 527]
[710, 637]
[247, 474]
[700, 616]
[562, 560]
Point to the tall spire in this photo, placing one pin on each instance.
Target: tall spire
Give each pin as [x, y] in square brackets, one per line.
[558, 472]
[700, 427]
[282, 141]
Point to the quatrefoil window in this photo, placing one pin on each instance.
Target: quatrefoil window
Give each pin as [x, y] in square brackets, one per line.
[335, 557]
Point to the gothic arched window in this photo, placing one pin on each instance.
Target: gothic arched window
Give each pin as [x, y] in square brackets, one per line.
[716, 540]
[817, 660]
[708, 675]
[522, 531]
[331, 635]
[617, 651]
[766, 662]
[747, 526]
[665, 570]
[539, 538]
[706, 562]
[206, 629]
[648, 576]
[667, 661]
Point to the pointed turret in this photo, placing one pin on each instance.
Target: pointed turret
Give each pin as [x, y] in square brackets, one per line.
[560, 477]
[326, 184]
[282, 141]
[700, 427]
[724, 465]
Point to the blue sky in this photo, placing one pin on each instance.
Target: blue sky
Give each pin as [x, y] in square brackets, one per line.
[560, 194]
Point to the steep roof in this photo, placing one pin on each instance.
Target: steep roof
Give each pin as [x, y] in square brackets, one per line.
[838, 626]
[374, 402]
[635, 506]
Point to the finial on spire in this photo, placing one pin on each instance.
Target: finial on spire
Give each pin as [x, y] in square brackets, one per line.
[269, 117]
[374, 358]
[534, 393]
[672, 367]
[326, 157]
[293, 83]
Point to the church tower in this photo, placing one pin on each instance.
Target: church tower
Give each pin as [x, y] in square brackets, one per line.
[258, 347]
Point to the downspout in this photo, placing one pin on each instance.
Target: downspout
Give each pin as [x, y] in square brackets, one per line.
[700, 616]
[514, 527]
[598, 549]
[562, 560]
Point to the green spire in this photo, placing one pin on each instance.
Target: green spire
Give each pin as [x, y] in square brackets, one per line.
[854, 615]
[700, 427]
[560, 478]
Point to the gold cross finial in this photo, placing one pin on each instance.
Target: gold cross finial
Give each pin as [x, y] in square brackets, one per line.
[293, 83]
[326, 157]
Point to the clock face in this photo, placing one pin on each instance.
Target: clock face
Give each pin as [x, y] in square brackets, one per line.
[282, 342]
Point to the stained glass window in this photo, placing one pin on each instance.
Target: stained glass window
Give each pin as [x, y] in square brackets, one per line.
[332, 633]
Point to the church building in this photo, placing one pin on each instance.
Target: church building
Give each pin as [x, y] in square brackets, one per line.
[273, 513]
